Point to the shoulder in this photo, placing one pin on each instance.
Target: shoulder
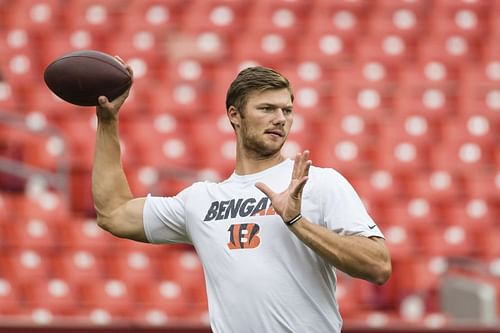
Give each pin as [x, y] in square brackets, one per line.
[329, 174]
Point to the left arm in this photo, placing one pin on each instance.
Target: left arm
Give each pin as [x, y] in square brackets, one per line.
[359, 256]
[362, 257]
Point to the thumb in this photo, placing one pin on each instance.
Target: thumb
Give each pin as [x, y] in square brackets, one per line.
[264, 189]
[103, 100]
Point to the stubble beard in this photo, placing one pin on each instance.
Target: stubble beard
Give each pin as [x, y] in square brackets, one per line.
[256, 146]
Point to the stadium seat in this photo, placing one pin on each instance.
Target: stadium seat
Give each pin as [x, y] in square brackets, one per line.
[64, 41]
[95, 16]
[461, 155]
[447, 241]
[483, 185]
[78, 266]
[32, 233]
[413, 213]
[42, 203]
[433, 100]
[183, 100]
[284, 17]
[161, 16]
[134, 267]
[453, 49]
[167, 147]
[111, 295]
[400, 241]
[327, 48]
[85, 234]
[39, 17]
[168, 296]
[395, 48]
[10, 297]
[224, 17]
[343, 153]
[55, 295]
[438, 186]
[472, 213]
[25, 265]
[474, 128]
[269, 48]
[400, 155]
[345, 18]
[400, 19]
[214, 143]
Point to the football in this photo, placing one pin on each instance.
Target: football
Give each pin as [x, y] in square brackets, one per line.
[80, 77]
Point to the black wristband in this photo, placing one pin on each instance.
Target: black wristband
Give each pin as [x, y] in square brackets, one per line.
[294, 220]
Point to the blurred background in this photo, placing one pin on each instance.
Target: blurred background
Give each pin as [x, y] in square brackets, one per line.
[402, 97]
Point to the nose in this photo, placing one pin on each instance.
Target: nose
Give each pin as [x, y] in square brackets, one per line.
[280, 117]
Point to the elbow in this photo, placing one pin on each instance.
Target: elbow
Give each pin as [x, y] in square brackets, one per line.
[104, 223]
[382, 273]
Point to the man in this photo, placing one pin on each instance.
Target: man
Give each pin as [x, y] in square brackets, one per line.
[270, 236]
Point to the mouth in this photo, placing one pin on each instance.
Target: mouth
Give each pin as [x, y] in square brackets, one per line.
[276, 133]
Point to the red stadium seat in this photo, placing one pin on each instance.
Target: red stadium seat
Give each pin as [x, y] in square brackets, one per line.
[32, 233]
[183, 100]
[55, 295]
[395, 48]
[161, 16]
[344, 18]
[270, 48]
[111, 295]
[39, 17]
[400, 155]
[438, 186]
[433, 100]
[414, 214]
[399, 19]
[10, 297]
[79, 266]
[221, 16]
[86, 235]
[169, 296]
[400, 241]
[95, 16]
[64, 41]
[473, 213]
[343, 153]
[168, 145]
[474, 128]
[25, 265]
[450, 48]
[462, 155]
[284, 17]
[449, 241]
[328, 48]
[134, 267]
[483, 185]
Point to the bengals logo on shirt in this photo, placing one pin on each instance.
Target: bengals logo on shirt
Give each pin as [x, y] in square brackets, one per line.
[243, 236]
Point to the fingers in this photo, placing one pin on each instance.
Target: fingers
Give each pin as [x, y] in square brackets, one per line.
[264, 189]
[127, 66]
[301, 165]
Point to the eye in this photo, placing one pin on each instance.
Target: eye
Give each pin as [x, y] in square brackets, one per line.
[287, 110]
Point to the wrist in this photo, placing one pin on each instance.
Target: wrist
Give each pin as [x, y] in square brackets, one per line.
[294, 220]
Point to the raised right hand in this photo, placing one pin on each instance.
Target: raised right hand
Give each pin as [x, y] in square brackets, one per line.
[108, 110]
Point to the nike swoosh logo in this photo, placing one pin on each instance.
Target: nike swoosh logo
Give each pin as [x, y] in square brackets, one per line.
[372, 226]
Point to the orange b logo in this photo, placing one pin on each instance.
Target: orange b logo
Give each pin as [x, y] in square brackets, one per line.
[243, 236]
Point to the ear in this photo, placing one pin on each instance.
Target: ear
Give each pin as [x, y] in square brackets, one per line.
[234, 116]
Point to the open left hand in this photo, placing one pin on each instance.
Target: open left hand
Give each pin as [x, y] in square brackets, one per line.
[287, 204]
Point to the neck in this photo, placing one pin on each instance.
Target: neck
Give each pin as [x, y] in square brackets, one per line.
[247, 163]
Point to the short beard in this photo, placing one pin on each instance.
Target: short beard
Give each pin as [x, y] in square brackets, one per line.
[258, 148]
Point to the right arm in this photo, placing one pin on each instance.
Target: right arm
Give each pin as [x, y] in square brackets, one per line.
[117, 210]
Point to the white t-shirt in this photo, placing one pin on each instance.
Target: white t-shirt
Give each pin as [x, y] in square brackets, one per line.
[260, 277]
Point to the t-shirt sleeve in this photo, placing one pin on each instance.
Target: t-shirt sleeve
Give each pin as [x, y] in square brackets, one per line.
[344, 211]
[164, 219]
